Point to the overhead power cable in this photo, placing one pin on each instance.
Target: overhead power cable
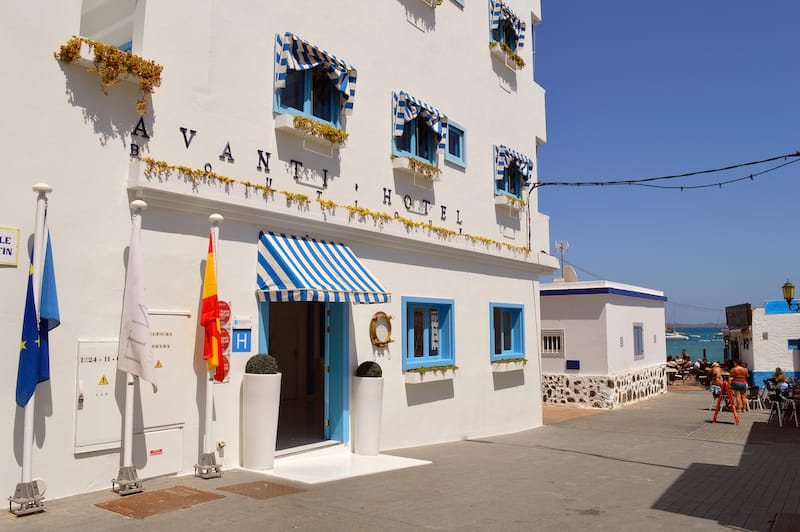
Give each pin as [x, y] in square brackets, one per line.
[645, 181]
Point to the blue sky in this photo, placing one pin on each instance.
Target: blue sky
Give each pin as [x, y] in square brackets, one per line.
[640, 89]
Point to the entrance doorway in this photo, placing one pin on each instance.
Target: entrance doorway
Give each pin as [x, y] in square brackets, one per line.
[297, 341]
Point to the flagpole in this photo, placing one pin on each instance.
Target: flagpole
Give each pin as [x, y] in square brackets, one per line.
[127, 478]
[27, 494]
[208, 467]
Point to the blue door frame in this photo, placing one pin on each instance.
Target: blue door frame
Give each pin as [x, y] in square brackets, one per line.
[337, 371]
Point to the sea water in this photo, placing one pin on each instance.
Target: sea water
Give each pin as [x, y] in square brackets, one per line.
[700, 338]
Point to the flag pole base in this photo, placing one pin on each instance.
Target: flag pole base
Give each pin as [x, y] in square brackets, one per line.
[27, 499]
[127, 482]
[208, 467]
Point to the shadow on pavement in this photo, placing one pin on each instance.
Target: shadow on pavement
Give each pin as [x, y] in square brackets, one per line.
[749, 495]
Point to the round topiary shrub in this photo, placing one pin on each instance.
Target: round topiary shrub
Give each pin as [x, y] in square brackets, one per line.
[262, 364]
[369, 369]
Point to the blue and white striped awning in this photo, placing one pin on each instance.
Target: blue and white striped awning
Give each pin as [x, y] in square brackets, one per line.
[504, 156]
[293, 53]
[303, 269]
[499, 12]
[405, 108]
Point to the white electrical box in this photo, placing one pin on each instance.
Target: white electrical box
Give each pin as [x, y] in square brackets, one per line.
[100, 388]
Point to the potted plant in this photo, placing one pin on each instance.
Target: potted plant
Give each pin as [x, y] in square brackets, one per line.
[261, 396]
[368, 405]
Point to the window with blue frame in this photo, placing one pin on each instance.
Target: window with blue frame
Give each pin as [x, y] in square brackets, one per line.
[417, 140]
[511, 182]
[638, 341]
[428, 333]
[506, 331]
[506, 33]
[312, 82]
[506, 27]
[419, 131]
[456, 145]
[311, 93]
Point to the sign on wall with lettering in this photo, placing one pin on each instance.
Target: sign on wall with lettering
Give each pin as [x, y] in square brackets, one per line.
[9, 246]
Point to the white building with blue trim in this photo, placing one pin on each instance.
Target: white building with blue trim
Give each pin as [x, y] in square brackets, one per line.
[765, 338]
[603, 343]
[366, 159]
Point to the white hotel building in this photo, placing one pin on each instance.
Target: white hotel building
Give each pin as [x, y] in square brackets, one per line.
[430, 193]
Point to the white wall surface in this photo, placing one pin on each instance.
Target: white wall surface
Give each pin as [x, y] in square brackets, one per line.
[773, 352]
[218, 81]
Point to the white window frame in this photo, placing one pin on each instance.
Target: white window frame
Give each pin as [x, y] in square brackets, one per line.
[558, 336]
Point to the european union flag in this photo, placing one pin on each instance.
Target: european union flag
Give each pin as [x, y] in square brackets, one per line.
[29, 349]
[49, 317]
[34, 354]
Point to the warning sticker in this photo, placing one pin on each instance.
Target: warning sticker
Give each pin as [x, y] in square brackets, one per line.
[103, 380]
[158, 364]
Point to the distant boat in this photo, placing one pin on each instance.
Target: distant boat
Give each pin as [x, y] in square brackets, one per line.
[672, 334]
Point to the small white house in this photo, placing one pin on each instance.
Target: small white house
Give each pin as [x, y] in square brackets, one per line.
[764, 338]
[603, 343]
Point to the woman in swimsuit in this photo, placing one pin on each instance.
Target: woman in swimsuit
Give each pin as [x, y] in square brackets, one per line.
[739, 385]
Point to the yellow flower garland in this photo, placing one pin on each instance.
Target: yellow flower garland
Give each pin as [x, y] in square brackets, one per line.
[162, 169]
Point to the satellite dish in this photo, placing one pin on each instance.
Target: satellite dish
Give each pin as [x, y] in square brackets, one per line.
[569, 274]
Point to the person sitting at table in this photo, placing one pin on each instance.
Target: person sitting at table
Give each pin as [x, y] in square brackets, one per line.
[671, 362]
[778, 373]
[739, 376]
[782, 383]
[687, 361]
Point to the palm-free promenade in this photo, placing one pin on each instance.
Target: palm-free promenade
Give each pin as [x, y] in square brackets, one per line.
[654, 465]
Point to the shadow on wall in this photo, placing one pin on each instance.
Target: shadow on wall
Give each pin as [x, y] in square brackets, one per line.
[728, 494]
[113, 116]
[429, 392]
[420, 15]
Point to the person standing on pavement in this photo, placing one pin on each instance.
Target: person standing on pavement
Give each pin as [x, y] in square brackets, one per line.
[739, 376]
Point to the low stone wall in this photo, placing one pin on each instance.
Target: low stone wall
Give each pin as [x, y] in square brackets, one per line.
[603, 391]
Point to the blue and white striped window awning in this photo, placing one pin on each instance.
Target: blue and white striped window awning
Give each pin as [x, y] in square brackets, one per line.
[294, 53]
[304, 269]
[499, 11]
[406, 108]
[504, 156]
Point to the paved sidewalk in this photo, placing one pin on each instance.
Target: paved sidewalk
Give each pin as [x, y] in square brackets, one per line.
[655, 465]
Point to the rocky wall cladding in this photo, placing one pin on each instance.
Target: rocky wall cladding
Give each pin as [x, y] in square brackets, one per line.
[603, 391]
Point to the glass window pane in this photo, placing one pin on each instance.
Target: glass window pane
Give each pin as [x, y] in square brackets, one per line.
[293, 94]
[424, 139]
[403, 142]
[322, 95]
[419, 332]
[506, 330]
[434, 352]
[498, 327]
[454, 143]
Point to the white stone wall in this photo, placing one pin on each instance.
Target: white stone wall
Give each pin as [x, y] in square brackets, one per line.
[603, 391]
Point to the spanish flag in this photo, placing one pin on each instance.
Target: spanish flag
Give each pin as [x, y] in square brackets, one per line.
[209, 312]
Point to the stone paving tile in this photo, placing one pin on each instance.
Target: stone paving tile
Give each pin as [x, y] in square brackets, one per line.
[654, 465]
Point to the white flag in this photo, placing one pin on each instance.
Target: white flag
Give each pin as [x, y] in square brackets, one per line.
[135, 355]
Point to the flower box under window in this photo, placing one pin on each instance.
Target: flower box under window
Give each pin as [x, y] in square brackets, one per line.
[430, 375]
[288, 123]
[506, 58]
[416, 168]
[502, 367]
[511, 202]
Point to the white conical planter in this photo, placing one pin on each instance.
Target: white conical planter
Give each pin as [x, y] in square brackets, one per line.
[368, 406]
[261, 397]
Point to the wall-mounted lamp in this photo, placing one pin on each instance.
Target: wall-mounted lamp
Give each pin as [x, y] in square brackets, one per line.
[788, 295]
